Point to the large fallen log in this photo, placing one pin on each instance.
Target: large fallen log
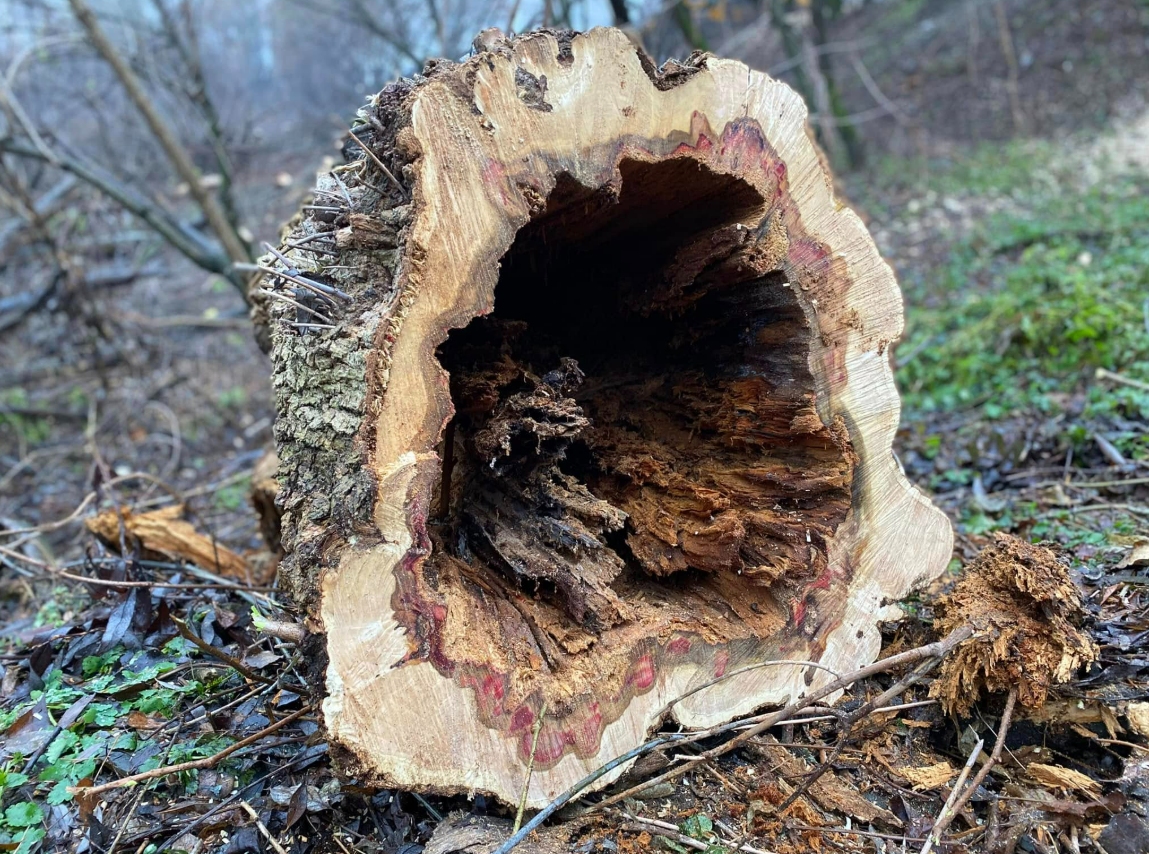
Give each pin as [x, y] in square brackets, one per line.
[583, 403]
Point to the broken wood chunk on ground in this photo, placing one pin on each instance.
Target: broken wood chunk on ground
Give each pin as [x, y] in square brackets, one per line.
[1028, 615]
[164, 535]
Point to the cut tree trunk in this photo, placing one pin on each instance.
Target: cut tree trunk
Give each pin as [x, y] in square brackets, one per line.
[583, 402]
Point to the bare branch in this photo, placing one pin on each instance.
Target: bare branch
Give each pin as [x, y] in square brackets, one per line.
[178, 156]
[193, 248]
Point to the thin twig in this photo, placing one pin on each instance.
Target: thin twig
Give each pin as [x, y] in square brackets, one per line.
[933, 650]
[298, 305]
[318, 288]
[324, 288]
[870, 833]
[271, 840]
[1103, 374]
[935, 834]
[193, 765]
[937, 649]
[216, 652]
[530, 768]
[848, 724]
[124, 585]
[739, 672]
[947, 816]
[379, 163]
[665, 828]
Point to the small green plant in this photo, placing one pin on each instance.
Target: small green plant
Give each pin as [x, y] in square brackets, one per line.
[1030, 309]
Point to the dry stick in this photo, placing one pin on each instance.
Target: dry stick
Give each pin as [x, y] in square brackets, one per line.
[739, 672]
[848, 723]
[665, 828]
[298, 305]
[937, 649]
[870, 833]
[216, 652]
[948, 816]
[1103, 374]
[193, 765]
[379, 163]
[748, 722]
[934, 650]
[530, 768]
[935, 835]
[123, 585]
[271, 840]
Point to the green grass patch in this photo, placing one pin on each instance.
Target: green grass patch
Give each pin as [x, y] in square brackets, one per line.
[1025, 311]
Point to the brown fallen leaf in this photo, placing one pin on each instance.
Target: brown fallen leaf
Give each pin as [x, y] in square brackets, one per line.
[165, 534]
[1138, 555]
[929, 776]
[1057, 777]
[138, 720]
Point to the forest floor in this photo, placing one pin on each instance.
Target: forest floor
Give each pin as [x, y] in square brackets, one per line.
[1025, 379]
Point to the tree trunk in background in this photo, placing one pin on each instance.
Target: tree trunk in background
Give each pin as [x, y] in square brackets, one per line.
[582, 404]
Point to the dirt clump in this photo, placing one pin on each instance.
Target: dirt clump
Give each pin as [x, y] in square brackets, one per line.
[1027, 615]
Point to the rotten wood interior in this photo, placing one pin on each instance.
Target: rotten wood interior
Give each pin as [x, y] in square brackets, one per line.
[635, 450]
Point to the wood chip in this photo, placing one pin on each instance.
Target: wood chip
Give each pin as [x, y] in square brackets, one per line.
[1057, 777]
[929, 776]
[1138, 716]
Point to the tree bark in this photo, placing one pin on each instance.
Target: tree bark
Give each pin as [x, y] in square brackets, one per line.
[599, 412]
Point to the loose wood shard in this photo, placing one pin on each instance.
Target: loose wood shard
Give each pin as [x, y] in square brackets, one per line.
[607, 417]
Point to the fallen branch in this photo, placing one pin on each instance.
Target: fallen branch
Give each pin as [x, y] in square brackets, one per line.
[947, 816]
[665, 828]
[216, 652]
[192, 765]
[948, 811]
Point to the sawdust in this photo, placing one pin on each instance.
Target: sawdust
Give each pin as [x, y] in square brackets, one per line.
[1027, 615]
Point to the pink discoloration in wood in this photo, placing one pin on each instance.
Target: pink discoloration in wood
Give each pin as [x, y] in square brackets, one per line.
[741, 148]
[522, 718]
[642, 674]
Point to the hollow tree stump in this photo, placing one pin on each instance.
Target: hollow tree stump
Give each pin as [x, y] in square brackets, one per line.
[605, 413]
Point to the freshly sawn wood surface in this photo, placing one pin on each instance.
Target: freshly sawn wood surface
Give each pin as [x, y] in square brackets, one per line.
[583, 403]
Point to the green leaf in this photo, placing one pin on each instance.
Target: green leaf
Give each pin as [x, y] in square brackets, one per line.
[29, 839]
[12, 779]
[697, 826]
[59, 793]
[23, 814]
[64, 742]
